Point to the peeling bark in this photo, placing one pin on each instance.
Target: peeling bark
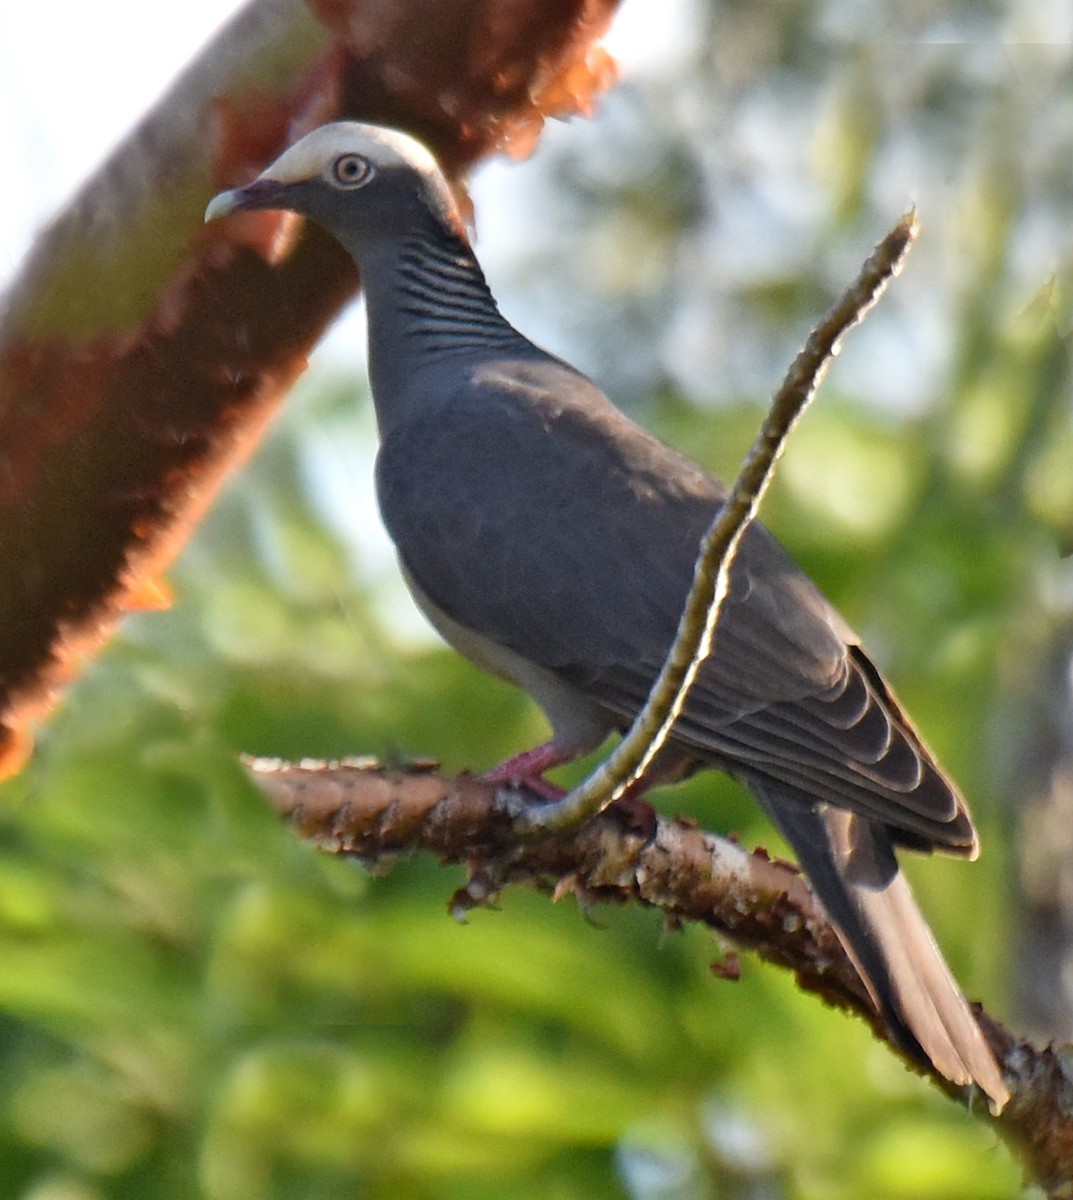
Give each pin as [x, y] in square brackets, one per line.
[142, 354]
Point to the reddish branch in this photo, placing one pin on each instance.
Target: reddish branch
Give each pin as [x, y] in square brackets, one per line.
[141, 356]
[361, 808]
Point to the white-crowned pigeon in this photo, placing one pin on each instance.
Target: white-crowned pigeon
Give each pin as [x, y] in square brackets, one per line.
[552, 541]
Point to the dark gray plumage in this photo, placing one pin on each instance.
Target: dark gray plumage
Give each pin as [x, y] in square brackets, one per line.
[552, 541]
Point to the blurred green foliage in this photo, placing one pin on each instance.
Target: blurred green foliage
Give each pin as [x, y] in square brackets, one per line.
[194, 1004]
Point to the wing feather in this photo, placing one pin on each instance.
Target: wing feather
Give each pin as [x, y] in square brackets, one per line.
[581, 563]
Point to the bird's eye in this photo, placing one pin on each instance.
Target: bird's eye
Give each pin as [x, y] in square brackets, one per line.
[350, 170]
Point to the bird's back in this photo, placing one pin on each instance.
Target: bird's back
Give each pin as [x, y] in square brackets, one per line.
[539, 516]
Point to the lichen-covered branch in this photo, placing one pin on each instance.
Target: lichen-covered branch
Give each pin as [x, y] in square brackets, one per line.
[360, 808]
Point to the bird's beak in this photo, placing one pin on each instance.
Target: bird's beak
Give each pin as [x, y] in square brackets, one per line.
[261, 193]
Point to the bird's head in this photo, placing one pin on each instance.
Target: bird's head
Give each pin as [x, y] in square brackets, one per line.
[361, 182]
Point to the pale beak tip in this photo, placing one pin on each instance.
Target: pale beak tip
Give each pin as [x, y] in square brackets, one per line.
[223, 204]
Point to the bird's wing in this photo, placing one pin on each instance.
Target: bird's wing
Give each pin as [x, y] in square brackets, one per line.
[532, 512]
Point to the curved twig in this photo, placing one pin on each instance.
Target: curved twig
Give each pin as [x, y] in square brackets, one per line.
[711, 577]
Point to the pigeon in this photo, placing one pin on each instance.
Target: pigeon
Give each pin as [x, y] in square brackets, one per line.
[552, 541]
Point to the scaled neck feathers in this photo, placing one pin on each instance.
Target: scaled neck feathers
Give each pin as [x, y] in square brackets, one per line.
[428, 301]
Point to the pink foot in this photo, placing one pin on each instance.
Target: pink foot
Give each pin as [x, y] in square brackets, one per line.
[527, 769]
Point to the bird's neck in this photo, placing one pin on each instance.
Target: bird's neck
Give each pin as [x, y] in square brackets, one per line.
[427, 301]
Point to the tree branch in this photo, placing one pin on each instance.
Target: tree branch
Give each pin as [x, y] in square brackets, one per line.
[360, 808]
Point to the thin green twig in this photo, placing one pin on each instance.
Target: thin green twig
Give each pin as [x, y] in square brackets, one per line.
[696, 630]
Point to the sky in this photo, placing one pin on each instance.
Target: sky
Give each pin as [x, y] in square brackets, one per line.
[70, 89]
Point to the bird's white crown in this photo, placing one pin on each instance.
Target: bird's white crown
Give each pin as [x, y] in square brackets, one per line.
[312, 154]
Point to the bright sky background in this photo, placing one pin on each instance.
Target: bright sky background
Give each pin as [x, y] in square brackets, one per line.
[71, 85]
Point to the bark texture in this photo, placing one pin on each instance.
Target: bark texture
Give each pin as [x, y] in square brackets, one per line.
[359, 808]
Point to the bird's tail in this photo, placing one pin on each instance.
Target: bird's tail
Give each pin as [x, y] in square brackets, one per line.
[852, 868]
